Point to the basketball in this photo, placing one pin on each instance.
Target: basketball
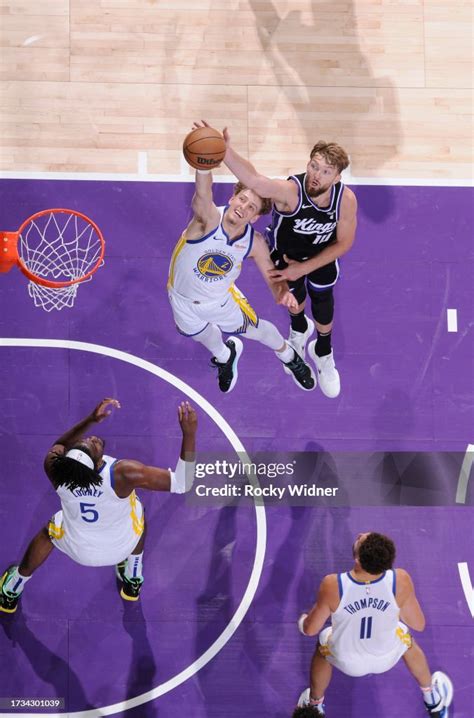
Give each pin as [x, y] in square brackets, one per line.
[204, 148]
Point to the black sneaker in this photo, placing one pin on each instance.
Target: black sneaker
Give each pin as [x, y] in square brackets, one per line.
[8, 600]
[301, 373]
[131, 587]
[227, 371]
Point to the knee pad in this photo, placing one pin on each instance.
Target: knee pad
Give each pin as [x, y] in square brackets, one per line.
[322, 306]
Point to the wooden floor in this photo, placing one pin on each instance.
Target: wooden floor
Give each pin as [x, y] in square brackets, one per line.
[87, 85]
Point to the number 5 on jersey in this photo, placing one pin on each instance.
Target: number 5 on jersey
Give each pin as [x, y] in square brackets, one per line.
[89, 514]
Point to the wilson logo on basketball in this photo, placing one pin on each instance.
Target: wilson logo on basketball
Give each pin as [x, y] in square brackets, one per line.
[206, 161]
[214, 265]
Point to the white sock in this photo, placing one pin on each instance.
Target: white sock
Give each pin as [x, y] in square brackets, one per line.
[223, 354]
[430, 695]
[287, 355]
[134, 566]
[15, 583]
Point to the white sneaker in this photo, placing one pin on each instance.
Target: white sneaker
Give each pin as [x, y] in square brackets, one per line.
[298, 340]
[444, 686]
[328, 376]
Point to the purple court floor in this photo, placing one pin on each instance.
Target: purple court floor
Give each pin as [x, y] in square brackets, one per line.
[407, 386]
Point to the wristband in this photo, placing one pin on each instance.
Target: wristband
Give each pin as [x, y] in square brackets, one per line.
[203, 172]
[182, 478]
[301, 620]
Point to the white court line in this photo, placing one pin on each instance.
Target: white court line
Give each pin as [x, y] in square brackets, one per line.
[187, 175]
[461, 491]
[142, 164]
[257, 567]
[467, 586]
[452, 315]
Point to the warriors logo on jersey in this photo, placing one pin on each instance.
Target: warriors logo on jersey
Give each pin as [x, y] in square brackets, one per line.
[204, 269]
[214, 265]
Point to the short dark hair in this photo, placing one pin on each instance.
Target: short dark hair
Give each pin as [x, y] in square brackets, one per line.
[376, 553]
[305, 712]
[266, 202]
[72, 474]
[333, 153]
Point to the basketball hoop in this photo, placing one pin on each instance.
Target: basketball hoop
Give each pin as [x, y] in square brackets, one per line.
[56, 249]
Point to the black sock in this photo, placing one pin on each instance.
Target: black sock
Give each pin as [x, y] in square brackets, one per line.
[298, 322]
[323, 344]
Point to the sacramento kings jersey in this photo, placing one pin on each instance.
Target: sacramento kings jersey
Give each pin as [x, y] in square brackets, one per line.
[309, 229]
[365, 623]
[204, 269]
[97, 527]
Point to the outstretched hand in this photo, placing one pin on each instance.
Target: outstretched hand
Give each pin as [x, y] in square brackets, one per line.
[187, 418]
[291, 273]
[101, 411]
[203, 123]
[200, 123]
[288, 300]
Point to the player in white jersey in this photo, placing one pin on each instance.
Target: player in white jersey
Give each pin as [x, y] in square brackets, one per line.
[101, 521]
[201, 285]
[366, 635]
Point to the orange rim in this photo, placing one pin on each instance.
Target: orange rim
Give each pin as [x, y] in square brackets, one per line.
[48, 282]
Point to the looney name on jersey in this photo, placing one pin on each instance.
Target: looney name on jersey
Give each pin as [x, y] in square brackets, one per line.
[87, 492]
[376, 603]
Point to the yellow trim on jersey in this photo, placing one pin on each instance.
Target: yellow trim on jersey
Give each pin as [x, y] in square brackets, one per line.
[174, 257]
[55, 532]
[242, 301]
[137, 524]
[324, 650]
[404, 636]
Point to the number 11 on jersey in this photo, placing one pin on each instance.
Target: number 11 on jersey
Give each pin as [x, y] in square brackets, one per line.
[366, 627]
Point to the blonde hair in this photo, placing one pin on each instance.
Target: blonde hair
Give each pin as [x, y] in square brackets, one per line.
[265, 201]
[332, 153]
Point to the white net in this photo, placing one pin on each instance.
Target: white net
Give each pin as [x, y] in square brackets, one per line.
[58, 246]
[49, 298]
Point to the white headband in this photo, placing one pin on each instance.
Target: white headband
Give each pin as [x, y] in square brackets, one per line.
[81, 457]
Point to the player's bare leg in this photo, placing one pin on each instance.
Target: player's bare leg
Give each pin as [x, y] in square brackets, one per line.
[13, 580]
[436, 688]
[320, 676]
[417, 664]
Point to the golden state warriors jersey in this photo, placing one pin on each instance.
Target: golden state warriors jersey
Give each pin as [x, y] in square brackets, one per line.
[365, 623]
[97, 527]
[204, 269]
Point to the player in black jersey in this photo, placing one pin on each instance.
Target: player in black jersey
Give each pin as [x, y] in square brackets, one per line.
[313, 224]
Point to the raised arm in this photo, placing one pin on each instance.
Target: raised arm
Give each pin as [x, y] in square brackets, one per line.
[205, 212]
[311, 623]
[76, 433]
[410, 610]
[133, 474]
[283, 193]
[261, 255]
